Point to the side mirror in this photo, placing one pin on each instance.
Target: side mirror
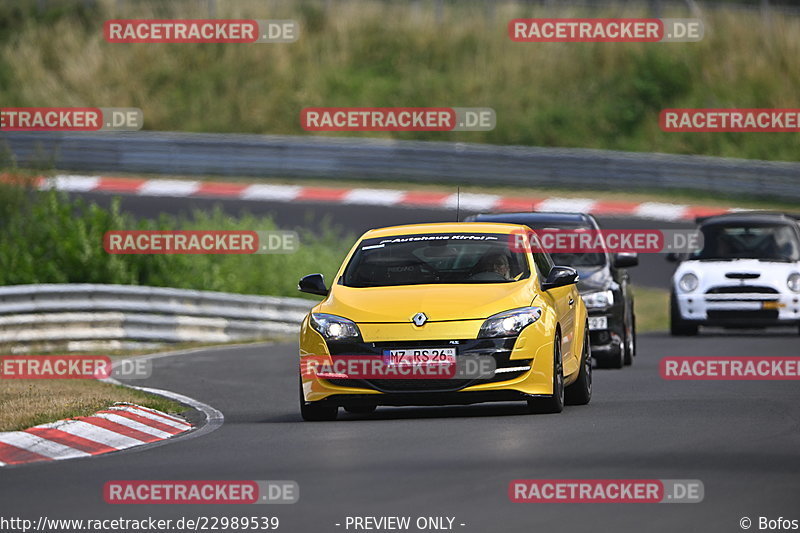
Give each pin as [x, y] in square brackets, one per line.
[560, 276]
[672, 257]
[626, 259]
[313, 284]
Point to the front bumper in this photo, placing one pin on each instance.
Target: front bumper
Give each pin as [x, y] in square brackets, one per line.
[740, 309]
[516, 378]
[606, 341]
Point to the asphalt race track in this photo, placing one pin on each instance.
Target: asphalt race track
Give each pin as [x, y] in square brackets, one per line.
[740, 438]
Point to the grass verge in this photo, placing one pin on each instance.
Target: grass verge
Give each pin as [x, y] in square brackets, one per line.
[652, 309]
[377, 53]
[28, 402]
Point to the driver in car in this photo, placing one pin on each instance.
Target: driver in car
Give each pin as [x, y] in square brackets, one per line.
[497, 263]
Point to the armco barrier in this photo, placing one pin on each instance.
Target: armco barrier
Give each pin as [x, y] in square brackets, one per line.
[375, 159]
[82, 315]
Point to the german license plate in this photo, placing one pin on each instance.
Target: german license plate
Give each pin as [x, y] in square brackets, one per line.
[598, 322]
[420, 356]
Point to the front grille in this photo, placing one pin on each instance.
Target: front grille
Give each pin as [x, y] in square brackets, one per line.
[755, 314]
[599, 337]
[499, 348]
[742, 289]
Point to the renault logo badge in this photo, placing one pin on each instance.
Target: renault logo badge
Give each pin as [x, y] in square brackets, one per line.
[419, 319]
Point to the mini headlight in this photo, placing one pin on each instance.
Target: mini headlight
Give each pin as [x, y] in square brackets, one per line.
[509, 323]
[688, 282]
[594, 300]
[334, 328]
[793, 282]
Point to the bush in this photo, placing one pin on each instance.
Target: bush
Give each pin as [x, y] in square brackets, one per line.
[46, 237]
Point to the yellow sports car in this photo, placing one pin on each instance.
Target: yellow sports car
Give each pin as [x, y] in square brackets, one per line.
[420, 300]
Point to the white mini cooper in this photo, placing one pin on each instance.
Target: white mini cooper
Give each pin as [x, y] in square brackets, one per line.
[746, 275]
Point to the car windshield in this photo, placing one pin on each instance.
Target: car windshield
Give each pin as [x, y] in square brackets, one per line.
[435, 258]
[768, 242]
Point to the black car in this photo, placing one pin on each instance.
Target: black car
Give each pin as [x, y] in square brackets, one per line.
[604, 284]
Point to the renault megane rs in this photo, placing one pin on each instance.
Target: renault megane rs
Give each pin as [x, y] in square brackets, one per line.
[422, 296]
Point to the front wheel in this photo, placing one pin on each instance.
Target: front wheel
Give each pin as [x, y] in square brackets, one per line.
[630, 342]
[555, 402]
[580, 392]
[316, 411]
[677, 326]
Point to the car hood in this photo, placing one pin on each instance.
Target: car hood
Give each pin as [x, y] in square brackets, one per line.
[593, 279]
[438, 302]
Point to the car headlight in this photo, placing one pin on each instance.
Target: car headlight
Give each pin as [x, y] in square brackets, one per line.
[688, 282]
[793, 282]
[509, 323]
[334, 328]
[593, 300]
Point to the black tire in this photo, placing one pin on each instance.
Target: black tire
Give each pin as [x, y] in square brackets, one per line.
[361, 409]
[677, 326]
[580, 392]
[316, 411]
[629, 343]
[555, 402]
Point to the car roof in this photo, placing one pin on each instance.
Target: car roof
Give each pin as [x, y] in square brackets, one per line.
[444, 227]
[538, 218]
[740, 217]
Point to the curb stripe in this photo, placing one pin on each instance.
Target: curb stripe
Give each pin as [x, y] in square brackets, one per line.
[157, 415]
[133, 425]
[118, 428]
[145, 421]
[221, 189]
[13, 456]
[37, 445]
[322, 194]
[95, 433]
[120, 185]
[371, 196]
[73, 441]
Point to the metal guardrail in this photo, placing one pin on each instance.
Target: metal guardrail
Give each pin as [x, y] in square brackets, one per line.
[85, 316]
[375, 159]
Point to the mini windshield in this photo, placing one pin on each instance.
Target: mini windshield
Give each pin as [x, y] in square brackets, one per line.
[769, 242]
[435, 258]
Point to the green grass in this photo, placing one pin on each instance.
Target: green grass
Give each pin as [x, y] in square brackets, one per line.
[365, 53]
[652, 309]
